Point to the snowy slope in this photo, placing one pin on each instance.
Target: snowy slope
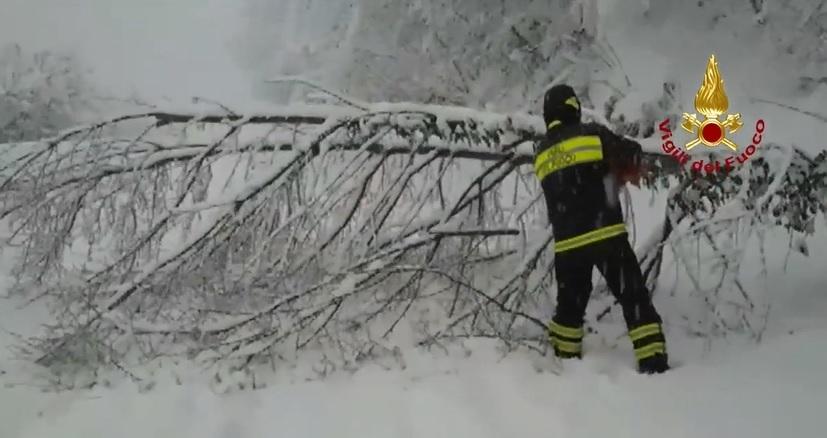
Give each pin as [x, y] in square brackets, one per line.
[722, 387]
[775, 390]
[726, 388]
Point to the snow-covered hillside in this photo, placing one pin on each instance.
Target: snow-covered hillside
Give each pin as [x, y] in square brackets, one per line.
[775, 389]
[720, 387]
[748, 393]
[726, 385]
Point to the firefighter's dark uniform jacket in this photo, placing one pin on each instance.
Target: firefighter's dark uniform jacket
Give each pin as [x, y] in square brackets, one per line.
[573, 166]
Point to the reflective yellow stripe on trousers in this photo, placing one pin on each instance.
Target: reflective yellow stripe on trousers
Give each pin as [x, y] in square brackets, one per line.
[561, 330]
[644, 331]
[568, 347]
[650, 350]
[577, 150]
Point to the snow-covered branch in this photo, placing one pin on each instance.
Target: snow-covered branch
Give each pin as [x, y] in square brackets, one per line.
[245, 236]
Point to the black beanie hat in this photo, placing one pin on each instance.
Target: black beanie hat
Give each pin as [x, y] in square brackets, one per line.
[561, 104]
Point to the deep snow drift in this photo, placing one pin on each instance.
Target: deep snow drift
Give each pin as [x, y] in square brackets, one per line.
[777, 389]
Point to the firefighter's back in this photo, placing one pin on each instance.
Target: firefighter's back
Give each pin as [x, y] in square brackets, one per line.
[574, 173]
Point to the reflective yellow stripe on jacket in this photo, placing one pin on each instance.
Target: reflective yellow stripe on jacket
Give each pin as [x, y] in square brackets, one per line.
[576, 150]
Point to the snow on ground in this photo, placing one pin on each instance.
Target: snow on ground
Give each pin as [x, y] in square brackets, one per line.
[731, 389]
[777, 389]
[728, 389]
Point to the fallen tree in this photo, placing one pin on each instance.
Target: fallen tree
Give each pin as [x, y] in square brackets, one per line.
[254, 237]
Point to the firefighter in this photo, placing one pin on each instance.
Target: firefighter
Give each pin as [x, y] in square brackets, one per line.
[581, 167]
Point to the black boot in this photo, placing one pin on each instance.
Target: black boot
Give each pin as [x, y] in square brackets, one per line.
[656, 364]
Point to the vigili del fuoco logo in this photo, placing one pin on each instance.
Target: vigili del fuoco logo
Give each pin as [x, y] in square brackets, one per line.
[711, 102]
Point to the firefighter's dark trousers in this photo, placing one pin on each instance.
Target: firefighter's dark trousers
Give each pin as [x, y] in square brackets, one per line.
[616, 261]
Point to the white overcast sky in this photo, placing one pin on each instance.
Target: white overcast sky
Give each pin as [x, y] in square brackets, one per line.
[171, 48]
[181, 48]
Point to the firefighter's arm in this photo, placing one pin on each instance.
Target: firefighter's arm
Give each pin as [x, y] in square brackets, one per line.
[632, 163]
[625, 158]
